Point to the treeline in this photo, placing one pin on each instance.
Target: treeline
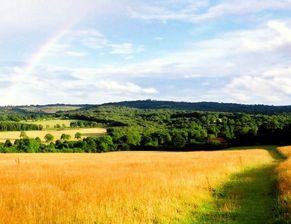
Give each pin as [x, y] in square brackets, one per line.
[167, 128]
[10, 115]
[30, 145]
[202, 106]
[17, 126]
[85, 124]
[138, 138]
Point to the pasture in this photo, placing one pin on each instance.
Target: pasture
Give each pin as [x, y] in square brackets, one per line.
[117, 187]
[86, 132]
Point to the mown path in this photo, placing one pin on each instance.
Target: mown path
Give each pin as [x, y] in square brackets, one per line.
[249, 197]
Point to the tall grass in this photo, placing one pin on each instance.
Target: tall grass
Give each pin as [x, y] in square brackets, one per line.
[119, 187]
[284, 171]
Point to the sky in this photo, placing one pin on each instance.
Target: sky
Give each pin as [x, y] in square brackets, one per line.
[96, 51]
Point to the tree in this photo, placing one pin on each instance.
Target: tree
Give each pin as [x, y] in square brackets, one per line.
[78, 135]
[57, 126]
[104, 144]
[23, 135]
[49, 138]
[7, 143]
[178, 139]
[38, 139]
[27, 145]
[65, 137]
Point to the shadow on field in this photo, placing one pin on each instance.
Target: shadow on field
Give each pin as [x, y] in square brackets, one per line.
[249, 197]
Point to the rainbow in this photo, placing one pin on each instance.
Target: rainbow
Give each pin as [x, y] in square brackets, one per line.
[22, 74]
[42, 52]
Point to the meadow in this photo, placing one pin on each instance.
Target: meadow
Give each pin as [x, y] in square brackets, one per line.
[86, 132]
[118, 187]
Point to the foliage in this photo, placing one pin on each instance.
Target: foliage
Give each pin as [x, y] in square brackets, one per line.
[49, 137]
[170, 129]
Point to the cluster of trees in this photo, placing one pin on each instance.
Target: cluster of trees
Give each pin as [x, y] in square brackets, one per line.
[65, 137]
[181, 129]
[16, 114]
[18, 126]
[84, 124]
[33, 145]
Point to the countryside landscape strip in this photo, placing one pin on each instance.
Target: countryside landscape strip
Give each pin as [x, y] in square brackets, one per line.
[167, 183]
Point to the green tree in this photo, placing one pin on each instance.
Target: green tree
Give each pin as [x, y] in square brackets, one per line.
[7, 143]
[179, 139]
[23, 135]
[65, 137]
[48, 138]
[78, 135]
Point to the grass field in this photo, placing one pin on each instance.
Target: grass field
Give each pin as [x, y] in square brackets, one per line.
[86, 132]
[284, 171]
[49, 124]
[119, 187]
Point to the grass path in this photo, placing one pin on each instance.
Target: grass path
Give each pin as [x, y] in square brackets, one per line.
[249, 197]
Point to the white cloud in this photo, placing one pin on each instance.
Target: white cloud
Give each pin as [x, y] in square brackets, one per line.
[126, 48]
[95, 40]
[189, 11]
[90, 38]
[233, 53]
[126, 88]
[35, 14]
[75, 53]
[51, 85]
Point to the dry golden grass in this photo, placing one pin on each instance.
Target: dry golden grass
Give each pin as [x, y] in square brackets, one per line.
[284, 171]
[51, 123]
[86, 132]
[119, 187]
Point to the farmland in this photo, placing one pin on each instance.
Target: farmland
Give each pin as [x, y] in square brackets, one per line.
[118, 187]
[52, 123]
[86, 132]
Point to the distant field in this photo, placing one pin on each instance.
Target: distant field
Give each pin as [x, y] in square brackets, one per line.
[119, 187]
[50, 109]
[86, 132]
[51, 123]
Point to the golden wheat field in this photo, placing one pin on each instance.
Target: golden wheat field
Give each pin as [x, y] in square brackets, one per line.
[50, 124]
[284, 171]
[118, 187]
[86, 132]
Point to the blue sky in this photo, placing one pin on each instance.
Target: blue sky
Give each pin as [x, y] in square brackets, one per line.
[85, 51]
